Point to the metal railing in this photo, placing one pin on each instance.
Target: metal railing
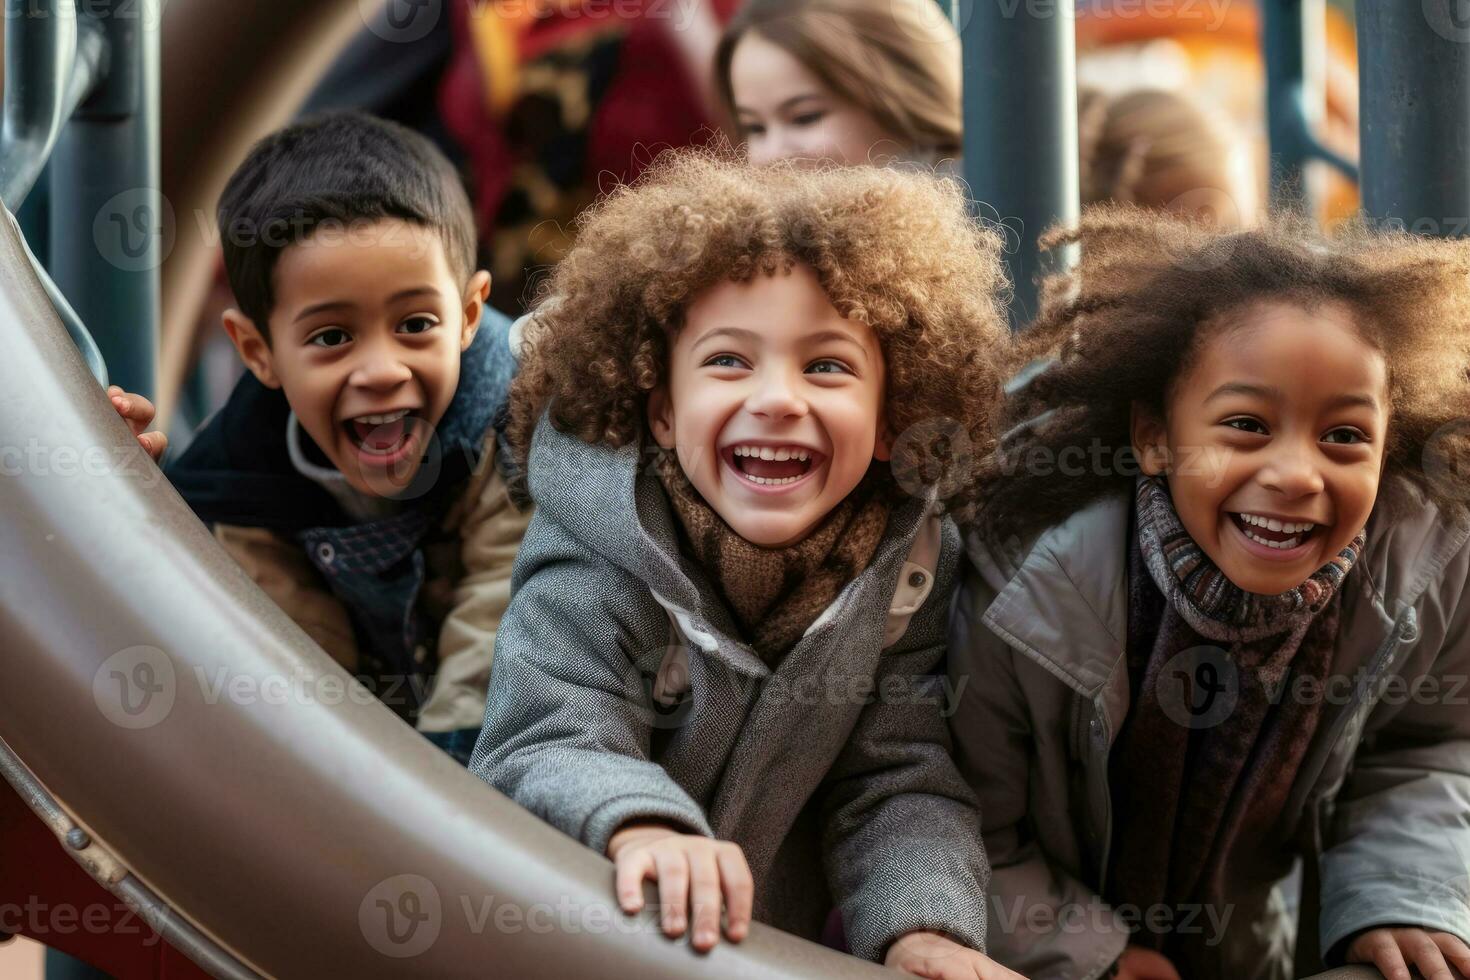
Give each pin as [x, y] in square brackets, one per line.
[81, 112]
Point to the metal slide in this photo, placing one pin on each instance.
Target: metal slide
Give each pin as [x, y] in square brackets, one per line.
[223, 772]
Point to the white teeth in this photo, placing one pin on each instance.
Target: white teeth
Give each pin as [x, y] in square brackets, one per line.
[381, 419]
[1286, 545]
[1279, 527]
[765, 481]
[766, 452]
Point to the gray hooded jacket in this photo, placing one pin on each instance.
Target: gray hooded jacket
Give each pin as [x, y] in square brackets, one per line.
[1380, 806]
[620, 691]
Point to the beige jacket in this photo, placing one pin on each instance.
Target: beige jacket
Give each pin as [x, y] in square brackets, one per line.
[471, 582]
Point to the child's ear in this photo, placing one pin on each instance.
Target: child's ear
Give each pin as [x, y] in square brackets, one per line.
[475, 295]
[254, 350]
[1150, 440]
[661, 416]
[883, 445]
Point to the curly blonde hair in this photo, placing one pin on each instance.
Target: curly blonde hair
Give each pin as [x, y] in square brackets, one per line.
[1127, 320]
[895, 250]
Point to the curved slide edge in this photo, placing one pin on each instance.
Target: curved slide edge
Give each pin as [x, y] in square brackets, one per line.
[230, 766]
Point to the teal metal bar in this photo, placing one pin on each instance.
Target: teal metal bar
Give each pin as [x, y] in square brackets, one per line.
[1290, 28]
[1414, 84]
[107, 215]
[1021, 126]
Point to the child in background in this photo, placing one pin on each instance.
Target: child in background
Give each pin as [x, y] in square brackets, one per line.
[716, 667]
[842, 81]
[353, 471]
[1226, 525]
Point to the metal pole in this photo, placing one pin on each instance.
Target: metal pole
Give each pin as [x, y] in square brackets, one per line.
[1021, 126]
[1286, 31]
[107, 216]
[1414, 85]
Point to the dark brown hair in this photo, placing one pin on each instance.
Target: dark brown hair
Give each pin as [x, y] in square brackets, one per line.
[1126, 321]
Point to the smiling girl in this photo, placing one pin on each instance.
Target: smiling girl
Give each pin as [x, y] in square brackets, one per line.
[1186, 673]
[716, 665]
[842, 81]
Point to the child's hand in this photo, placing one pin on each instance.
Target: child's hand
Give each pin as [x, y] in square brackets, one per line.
[1140, 963]
[1393, 949]
[137, 411]
[692, 872]
[935, 955]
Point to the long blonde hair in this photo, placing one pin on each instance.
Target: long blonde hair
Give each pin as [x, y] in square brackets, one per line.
[897, 60]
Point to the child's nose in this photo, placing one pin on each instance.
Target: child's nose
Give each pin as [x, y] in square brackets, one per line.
[776, 396]
[1291, 472]
[378, 368]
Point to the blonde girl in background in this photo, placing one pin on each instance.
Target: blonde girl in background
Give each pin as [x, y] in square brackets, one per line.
[845, 81]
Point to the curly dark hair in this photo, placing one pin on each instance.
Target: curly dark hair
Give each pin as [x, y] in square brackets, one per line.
[896, 250]
[1125, 322]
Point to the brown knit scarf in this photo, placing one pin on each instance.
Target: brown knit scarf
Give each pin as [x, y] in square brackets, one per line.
[1198, 781]
[776, 593]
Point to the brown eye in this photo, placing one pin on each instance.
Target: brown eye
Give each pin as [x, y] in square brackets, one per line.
[416, 325]
[331, 337]
[1246, 424]
[1345, 436]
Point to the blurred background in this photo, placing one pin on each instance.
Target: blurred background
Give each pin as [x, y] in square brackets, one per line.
[542, 104]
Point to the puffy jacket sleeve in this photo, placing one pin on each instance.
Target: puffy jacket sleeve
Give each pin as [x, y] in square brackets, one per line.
[569, 715]
[1397, 849]
[901, 840]
[490, 535]
[994, 749]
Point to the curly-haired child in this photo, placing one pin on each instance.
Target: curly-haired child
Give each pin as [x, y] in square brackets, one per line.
[1216, 609]
[716, 667]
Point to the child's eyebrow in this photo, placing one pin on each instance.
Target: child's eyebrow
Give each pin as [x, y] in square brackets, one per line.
[328, 306]
[828, 336]
[1345, 400]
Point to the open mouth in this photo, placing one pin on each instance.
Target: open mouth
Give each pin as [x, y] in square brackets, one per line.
[385, 437]
[772, 466]
[1273, 533]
